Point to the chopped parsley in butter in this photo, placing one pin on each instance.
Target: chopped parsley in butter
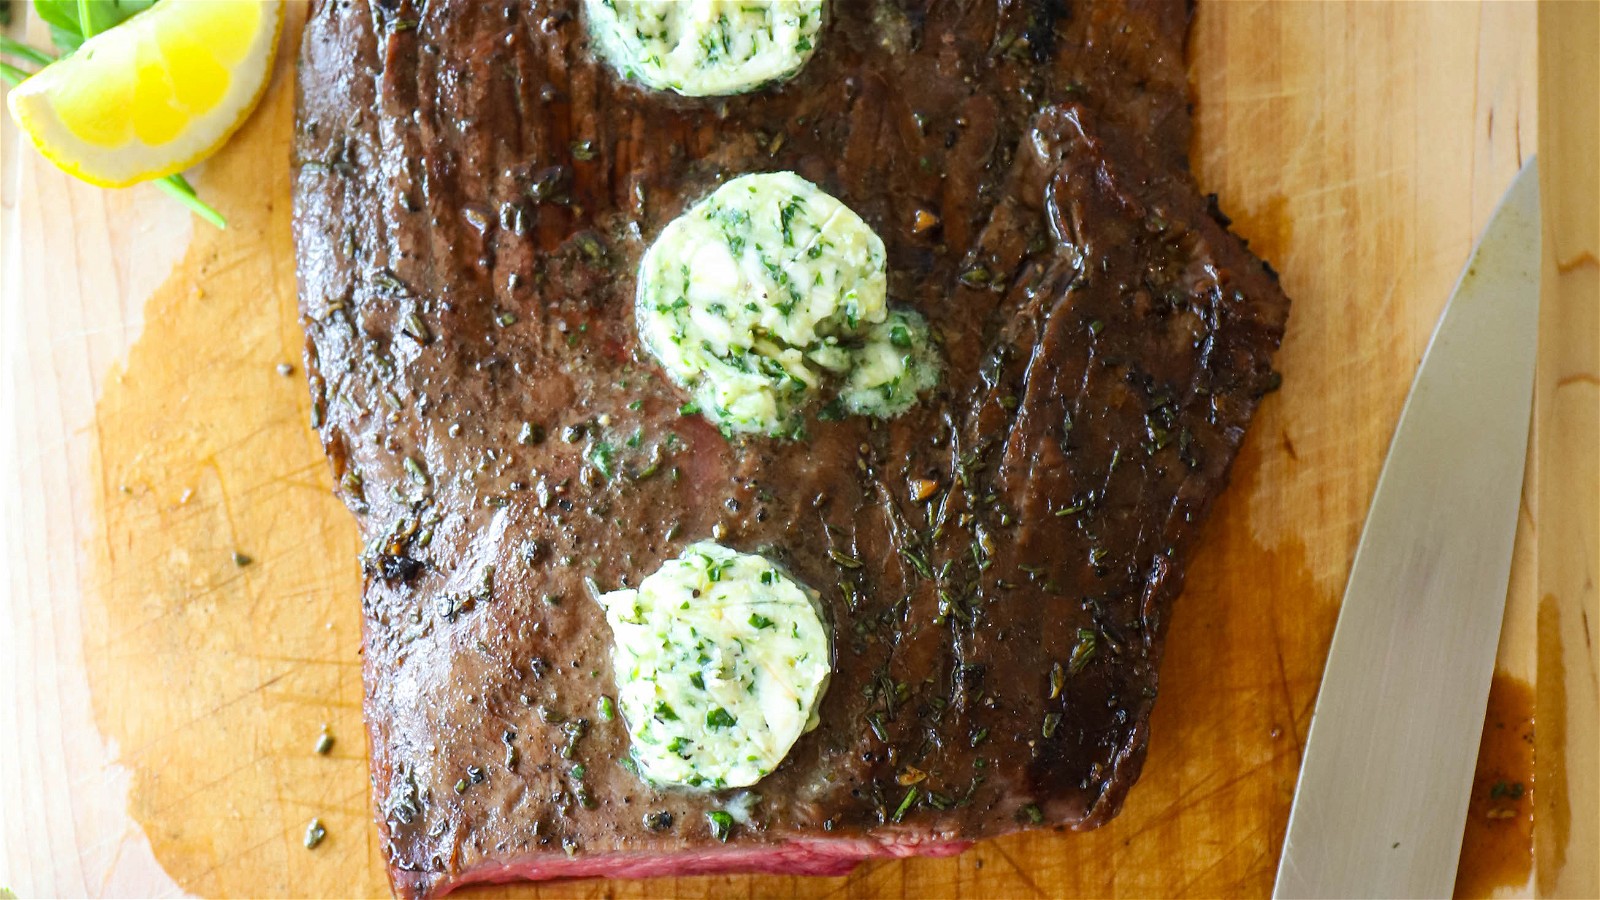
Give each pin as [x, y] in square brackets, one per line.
[892, 366]
[770, 294]
[720, 661]
[705, 48]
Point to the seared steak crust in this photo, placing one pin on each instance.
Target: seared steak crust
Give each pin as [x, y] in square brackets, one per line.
[473, 194]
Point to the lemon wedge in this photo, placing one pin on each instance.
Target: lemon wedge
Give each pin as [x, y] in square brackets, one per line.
[154, 95]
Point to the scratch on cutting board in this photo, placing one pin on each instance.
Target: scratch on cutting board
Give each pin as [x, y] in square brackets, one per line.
[1260, 837]
[998, 849]
[1196, 795]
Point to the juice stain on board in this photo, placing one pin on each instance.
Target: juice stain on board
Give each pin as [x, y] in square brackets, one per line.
[1497, 846]
[221, 633]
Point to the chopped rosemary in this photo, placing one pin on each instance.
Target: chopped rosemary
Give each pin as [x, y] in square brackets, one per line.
[906, 804]
[315, 832]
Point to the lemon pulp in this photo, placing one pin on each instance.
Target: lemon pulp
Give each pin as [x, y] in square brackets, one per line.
[153, 95]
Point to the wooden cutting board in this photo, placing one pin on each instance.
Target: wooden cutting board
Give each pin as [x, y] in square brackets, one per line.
[179, 615]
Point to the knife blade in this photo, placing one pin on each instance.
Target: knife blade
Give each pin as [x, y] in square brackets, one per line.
[1393, 742]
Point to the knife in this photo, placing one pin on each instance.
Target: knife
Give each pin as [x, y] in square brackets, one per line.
[1393, 742]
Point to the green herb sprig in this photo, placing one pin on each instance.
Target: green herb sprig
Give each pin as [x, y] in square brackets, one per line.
[71, 23]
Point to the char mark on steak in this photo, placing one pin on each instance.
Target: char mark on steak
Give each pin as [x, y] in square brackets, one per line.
[473, 195]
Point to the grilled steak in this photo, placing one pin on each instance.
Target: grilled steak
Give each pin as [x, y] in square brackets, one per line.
[473, 194]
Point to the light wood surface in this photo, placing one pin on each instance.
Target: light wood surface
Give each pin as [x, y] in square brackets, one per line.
[1565, 484]
[159, 703]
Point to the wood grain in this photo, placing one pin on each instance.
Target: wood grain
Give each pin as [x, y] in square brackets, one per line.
[76, 264]
[1567, 461]
[159, 703]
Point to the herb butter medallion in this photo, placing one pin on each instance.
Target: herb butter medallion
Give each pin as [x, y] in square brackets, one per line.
[720, 660]
[771, 294]
[705, 48]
